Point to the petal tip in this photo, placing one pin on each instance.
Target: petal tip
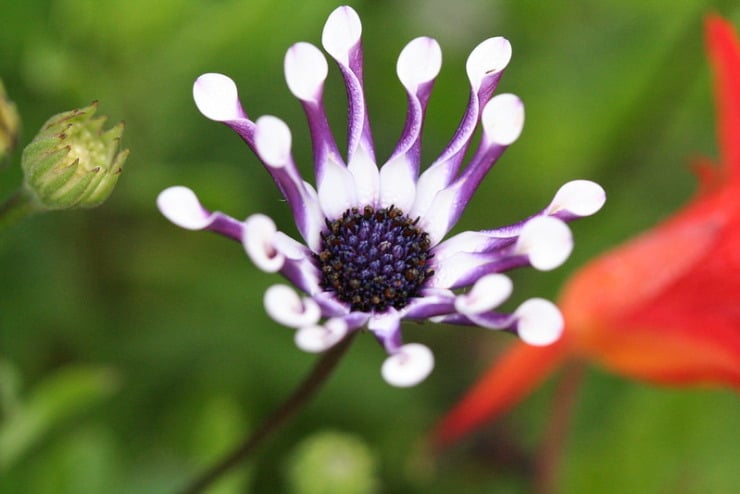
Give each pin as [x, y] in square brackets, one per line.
[342, 32]
[488, 58]
[217, 97]
[503, 119]
[487, 293]
[286, 307]
[419, 62]
[259, 235]
[539, 322]
[579, 197]
[181, 206]
[317, 338]
[547, 241]
[305, 71]
[409, 366]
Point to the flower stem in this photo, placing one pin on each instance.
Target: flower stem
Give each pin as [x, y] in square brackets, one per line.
[300, 397]
[17, 207]
[549, 459]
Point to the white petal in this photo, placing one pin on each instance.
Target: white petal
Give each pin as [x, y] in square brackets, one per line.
[336, 190]
[366, 176]
[409, 366]
[341, 33]
[180, 205]
[437, 219]
[397, 184]
[580, 197]
[286, 307]
[330, 306]
[489, 57]
[217, 98]
[314, 216]
[419, 62]
[305, 71]
[539, 322]
[386, 326]
[487, 293]
[428, 185]
[289, 247]
[468, 241]
[317, 338]
[547, 241]
[503, 119]
[272, 141]
[259, 235]
[456, 266]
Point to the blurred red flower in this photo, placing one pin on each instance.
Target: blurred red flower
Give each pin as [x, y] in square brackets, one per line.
[663, 307]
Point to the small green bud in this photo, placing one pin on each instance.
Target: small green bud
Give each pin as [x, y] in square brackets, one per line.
[10, 124]
[333, 463]
[72, 162]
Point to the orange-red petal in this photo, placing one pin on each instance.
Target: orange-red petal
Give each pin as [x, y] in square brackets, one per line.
[665, 307]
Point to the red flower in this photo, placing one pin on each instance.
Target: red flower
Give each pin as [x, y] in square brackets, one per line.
[663, 307]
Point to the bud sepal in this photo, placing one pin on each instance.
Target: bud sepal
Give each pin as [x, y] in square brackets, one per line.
[10, 123]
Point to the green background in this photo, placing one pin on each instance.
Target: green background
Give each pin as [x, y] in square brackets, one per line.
[133, 353]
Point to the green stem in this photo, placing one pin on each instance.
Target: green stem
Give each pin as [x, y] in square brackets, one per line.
[16, 208]
[300, 397]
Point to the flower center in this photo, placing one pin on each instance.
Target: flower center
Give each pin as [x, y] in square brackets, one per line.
[374, 259]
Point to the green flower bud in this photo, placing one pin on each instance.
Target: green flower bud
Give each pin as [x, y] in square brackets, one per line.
[10, 124]
[72, 162]
[333, 463]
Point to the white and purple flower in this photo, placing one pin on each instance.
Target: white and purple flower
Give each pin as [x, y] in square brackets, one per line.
[374, 251]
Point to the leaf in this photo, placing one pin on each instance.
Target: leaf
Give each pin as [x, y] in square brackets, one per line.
[65, 394]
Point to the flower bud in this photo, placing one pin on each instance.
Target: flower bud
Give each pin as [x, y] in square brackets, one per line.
[72, 162]
[9, 124]
[330, 462]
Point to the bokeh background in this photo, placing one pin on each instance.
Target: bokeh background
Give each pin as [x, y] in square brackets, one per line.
[133, 353]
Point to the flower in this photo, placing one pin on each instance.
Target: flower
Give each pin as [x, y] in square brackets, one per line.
[374, 253]
[663, 307]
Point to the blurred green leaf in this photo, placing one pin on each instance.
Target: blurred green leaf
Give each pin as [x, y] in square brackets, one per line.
[218, 430]
[659, 441]
[85, 461]
[10, 388]
[61, 396]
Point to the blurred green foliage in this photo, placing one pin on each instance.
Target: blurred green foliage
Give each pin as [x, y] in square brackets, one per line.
[616, 91]
[61, 395]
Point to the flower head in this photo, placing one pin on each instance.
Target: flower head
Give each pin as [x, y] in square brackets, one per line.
[662, 307]
[374, 251]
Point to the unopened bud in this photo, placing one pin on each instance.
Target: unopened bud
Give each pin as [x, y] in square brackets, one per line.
[333, 463]
[72, 162]
[10, 124]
